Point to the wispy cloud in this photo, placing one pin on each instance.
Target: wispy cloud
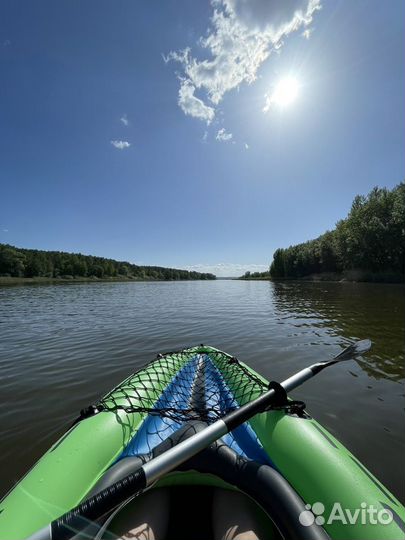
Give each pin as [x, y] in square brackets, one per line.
[124, 120]
[240, 38]
[121, 145]
[192, 105]
[223, 136]
[246, 146]
[4, 230]
[307, 33]
[228, 269]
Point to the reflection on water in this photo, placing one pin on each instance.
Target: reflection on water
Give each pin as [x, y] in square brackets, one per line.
[351, 311]
[63, 346]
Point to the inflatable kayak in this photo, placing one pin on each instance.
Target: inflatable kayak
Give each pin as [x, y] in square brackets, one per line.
[302, 481]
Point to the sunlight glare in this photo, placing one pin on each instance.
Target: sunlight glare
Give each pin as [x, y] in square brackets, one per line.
[285, 93]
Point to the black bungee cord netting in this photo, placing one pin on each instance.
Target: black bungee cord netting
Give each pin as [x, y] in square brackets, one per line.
[185, 385]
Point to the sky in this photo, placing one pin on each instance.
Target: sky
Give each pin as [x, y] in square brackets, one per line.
[153, 132]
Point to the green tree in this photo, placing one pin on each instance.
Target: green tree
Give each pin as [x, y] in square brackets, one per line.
[371, 239]
[12, 262]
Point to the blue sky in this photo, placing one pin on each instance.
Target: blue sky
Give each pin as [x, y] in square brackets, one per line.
[114, 141]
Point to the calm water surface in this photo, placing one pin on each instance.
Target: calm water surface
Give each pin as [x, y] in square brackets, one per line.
[63, 346]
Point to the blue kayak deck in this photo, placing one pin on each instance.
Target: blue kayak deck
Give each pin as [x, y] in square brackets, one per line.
[198, 379]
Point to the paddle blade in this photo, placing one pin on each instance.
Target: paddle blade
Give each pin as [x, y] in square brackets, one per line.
[350, 353]
[354, 350]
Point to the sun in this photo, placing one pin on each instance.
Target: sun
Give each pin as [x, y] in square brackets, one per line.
[286, 91]
[284, 94]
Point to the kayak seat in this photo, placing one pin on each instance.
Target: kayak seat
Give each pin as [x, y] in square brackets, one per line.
[262, 483]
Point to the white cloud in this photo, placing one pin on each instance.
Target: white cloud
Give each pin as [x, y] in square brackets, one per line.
[240, 38]
[223, 136]
[121, 145]
[124, 120]
[5, 230]
[192, 105]
[246, 146]
[228, 269]
[307, 33]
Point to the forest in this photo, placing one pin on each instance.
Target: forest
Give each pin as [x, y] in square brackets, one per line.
[32, 263]
[370, 241]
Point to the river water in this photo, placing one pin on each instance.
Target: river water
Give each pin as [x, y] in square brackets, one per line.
[63, 346]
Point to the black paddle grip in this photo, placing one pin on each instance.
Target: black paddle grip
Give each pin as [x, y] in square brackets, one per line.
[96, 506]
[247, 411]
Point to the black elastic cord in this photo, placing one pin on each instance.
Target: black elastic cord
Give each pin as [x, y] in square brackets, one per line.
[282, 403]
[91, 410]
[280, 397]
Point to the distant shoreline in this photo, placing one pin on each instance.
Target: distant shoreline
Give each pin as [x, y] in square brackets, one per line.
[5, 280]
[54, 266]
[354, 276]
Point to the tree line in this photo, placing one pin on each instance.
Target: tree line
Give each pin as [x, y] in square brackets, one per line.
[371, 239]
[17, 262]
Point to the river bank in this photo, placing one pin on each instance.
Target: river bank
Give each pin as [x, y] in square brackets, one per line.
[350, 276]
[6, 280]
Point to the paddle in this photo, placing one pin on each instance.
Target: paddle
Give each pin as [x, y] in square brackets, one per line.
[96, 506]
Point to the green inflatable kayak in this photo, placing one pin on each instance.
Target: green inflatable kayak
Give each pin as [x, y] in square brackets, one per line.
[299, 480]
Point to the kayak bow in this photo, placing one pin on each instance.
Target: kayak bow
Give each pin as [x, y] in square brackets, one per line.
[154, 405]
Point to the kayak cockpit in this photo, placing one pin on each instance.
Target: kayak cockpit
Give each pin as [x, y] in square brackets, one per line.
[191, 512]
[275, 501]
